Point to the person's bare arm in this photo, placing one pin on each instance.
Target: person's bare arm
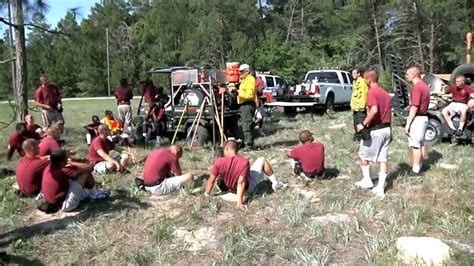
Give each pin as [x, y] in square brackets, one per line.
[210, 184]
[373, 110]
[240, 192]
[83, 168]
[127, 151]
[10, 152]
[107, 157]
[45, 106]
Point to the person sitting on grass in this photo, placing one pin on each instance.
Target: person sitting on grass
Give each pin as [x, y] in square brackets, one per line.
[29, 171]
[35, 131]
[16, 139]
[99, 156]
[308, 158]
[162, 173]
[238, 176]
[51, 142]
[115, 128]
[92, 129]
[66, 183]
[155, 120]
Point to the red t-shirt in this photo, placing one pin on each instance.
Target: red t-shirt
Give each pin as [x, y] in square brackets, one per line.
[157, 114]
[460, 95]
[15, 140]
[159, 165]
[377, 96]
[29, 173]
[48, 95]
[230, 169]
[311, 157]
[99, 143]
[123, 95]
[420, 97]
[55, 184]
[149, 92]
[48, 145]
[259, 86]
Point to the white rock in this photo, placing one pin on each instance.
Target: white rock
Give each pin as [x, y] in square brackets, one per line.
[448, 166]
[228, 197]
[309, 195]
[427, 250]
[201, 238]
[333, 219]
[337, 126]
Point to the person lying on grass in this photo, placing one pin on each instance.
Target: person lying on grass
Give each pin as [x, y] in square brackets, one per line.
[162, 173]
[308, 159]
[66, 183]
[236, 175]
[99, 156]
[29, 171]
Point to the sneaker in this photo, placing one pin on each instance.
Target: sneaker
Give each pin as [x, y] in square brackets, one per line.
[379, 192]
[459, 133]
[261, 133]
[412, 173]
[101, 194]
[279, 185]
[365, 183]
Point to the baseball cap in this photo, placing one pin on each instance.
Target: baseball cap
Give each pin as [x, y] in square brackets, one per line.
[305, 135]
[243, 67]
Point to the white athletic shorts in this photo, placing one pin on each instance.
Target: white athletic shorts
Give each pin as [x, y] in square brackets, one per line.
[124, 112]
[376, 149]
[74, 196]
[166, 187]
[417, 132]
[255, 175]
[101, 167]
[456, 107]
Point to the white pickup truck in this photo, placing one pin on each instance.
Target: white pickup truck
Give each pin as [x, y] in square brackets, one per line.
[322, 88]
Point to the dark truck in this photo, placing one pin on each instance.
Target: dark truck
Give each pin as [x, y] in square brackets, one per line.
[188, 88]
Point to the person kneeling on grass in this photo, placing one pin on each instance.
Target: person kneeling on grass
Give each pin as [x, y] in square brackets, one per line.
[66, 183]
[308, 159]
[162, 173]
[237, 176]
[99, 156]
[29, 171]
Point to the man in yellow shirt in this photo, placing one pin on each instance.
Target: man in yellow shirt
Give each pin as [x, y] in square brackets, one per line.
[247, 98]
[358, 100]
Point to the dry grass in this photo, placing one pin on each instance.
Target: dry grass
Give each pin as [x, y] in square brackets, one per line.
[134, 228]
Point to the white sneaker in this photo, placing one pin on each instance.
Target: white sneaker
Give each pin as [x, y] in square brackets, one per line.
[365, 183]
[279, 185]
[379, 191]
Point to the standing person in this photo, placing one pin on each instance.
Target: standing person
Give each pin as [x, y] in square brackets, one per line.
[238, 176]
[48, 98]
[417, 120]
[308, 158]
[50, 143]
[99, 156]
[29, 171]
[378, 121]
[461, 94]
[358, 100]
[149, 91]
[162, 173]
[124, 97]
[246, 98]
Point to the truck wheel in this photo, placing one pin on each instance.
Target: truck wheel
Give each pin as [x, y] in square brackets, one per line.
[433, 131]
[330, 103]
[202, 135]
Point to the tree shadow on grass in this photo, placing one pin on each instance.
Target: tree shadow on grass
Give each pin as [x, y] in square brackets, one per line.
[402, 169]
[7, 259]
[120, 201]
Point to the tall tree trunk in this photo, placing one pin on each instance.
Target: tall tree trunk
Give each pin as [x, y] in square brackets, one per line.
[432, 44]
[10, 40]
[377, 35]
[290, 25]
[262, 25]
[21, 73]
[418, 32]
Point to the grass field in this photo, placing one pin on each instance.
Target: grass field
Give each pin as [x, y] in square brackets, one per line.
[279, 228]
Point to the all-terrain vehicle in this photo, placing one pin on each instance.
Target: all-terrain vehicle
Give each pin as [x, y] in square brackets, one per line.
[188, 90]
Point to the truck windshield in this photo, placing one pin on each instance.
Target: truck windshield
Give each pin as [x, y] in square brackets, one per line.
[326, 77]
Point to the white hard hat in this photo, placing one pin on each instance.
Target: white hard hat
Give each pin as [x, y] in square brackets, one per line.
[243, 67]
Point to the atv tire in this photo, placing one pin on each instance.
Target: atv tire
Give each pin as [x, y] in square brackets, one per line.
[202, 135]
[433, 134]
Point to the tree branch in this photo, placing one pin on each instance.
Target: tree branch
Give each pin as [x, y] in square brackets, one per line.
[7, 60]
[4, 21]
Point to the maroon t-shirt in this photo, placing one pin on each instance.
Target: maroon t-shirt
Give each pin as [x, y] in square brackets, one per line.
[420, 97]
[230, 169]
[123, 95]
[311, 157]
[159, 165]
[149, 92]
[48, 145]
[460, 95]
[157, 114]
[55, 184]
[48, 95]
[98, 143]
[377, 96]
[29, 173]
[15, 140]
